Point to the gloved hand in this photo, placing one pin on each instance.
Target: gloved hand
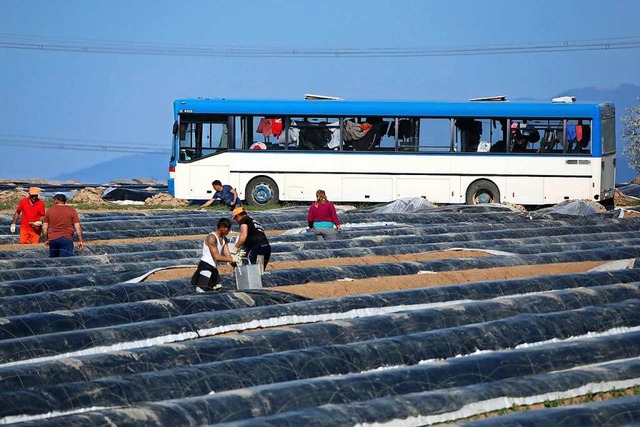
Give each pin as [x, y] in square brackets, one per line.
[37, 223]
[241, 253]
[237, 258]
[12, 228]
[338, 228]
[234, 250]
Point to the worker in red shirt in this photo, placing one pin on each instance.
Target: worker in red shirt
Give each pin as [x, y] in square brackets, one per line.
[32, 210]
[58, 224]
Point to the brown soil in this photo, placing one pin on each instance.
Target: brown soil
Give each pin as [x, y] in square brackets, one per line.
[348, 286]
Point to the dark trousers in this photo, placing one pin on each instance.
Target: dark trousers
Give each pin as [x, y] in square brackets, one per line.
[264, 250]
[60, 247]
[203, 282]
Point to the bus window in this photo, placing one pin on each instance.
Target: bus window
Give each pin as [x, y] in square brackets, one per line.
[238, 132]
[267, 131]
[578, 139]
[608, 132]
[367, 133]
[551, 136]
[469, 132]
[407, 133]
[524, 136]
[435, 135]
[314, 133]
[200, 139]
[384, 139]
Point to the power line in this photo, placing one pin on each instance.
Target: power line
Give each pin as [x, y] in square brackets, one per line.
[76, 45]
[79, 145]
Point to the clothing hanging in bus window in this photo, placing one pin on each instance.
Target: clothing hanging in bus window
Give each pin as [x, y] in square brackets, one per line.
[354, 131]
[276, 127]
[264, 127]
[334, 142]
[269, 126]
[583, 134]
[294, 132]
[571, 133]
[314, 135]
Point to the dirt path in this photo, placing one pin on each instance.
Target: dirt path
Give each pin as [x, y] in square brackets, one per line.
[349, 286]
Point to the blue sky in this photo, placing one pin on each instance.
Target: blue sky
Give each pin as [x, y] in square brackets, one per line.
[123, 99]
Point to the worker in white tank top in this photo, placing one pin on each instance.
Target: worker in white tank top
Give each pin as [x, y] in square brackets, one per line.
[214, 249]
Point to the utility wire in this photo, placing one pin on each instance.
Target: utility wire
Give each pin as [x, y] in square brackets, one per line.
[79, 145]
[75, 45]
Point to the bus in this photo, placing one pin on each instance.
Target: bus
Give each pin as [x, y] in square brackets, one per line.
[473, 152]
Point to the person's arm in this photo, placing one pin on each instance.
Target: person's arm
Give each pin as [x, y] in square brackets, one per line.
[334, 216]
[78, 228]
[225, 249]
[45, 232]
[235, 196]
[212, 244]
[207, 203]
[310, 216]
[16, 215]
[12, 227]
[244, 231]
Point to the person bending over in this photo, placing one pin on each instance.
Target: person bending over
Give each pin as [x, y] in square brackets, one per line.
[225, 193]
[322, 218]
[252, 238]
[215, 248]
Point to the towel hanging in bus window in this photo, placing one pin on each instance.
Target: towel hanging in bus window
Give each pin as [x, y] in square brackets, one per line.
[270, 126]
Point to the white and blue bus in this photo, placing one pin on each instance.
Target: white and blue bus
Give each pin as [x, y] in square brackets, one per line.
[369, 151]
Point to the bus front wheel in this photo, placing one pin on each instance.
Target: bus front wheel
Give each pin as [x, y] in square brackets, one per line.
[262, 191]
[481, 192]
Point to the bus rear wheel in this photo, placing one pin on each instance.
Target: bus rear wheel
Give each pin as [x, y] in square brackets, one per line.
[262, 191]
[481, 192]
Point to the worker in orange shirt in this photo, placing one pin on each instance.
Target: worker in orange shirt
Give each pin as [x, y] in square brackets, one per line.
[32, 210]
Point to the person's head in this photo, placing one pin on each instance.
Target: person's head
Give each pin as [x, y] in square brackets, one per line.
[217, 185]
[321, 196]
[224, 226]
[34, 193]
[238, 213]
[60, 199]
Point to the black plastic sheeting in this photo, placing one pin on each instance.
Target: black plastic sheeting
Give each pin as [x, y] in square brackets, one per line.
[620, 412]
[311, 388]
[83, 342]
[127, 194]
[449, 403]
[630, 189]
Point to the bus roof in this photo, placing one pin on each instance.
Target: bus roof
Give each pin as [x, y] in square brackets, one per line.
[324, 108]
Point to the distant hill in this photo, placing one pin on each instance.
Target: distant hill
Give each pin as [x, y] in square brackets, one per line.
[153, 166]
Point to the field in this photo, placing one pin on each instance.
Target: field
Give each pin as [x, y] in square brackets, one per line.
[413, 317]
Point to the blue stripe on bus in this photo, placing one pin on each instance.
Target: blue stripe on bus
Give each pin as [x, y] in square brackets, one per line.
[388, 108]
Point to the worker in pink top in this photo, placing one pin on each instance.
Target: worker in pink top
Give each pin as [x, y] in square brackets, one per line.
[58, 226]
[322, 218]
